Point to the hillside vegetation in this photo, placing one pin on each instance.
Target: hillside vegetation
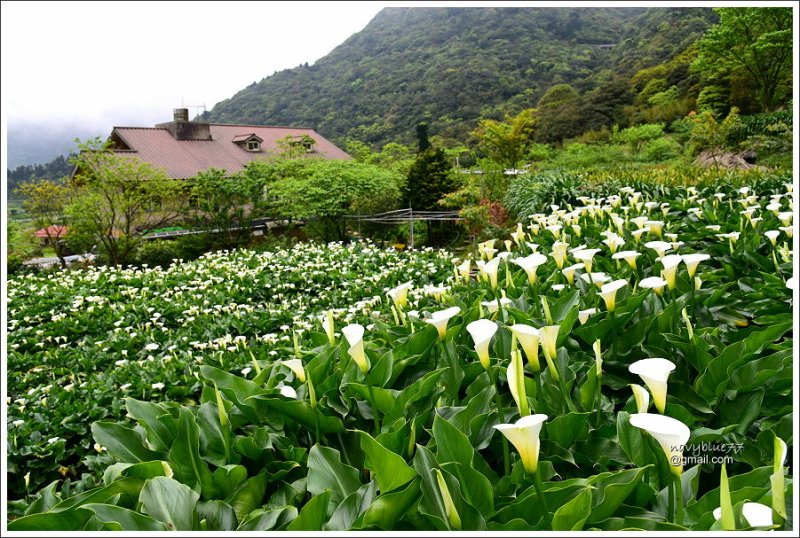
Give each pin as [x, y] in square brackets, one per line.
[453, 66]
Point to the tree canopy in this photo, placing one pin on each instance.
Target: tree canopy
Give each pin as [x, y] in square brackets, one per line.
[754, 42]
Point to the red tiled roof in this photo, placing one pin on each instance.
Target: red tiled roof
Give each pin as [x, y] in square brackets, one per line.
[54, 231]
[182, 159]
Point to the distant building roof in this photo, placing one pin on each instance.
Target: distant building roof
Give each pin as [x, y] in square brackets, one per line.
[183, 148]
[54, 231]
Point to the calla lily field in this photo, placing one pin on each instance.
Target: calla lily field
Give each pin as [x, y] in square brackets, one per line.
[621, 361]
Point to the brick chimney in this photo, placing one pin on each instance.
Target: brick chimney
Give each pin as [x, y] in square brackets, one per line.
[183, 129]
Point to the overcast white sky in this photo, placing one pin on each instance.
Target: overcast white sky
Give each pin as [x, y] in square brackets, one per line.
[112, 63]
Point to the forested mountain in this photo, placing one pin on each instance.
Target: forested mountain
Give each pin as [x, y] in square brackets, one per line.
[453, 66]
[55, 170]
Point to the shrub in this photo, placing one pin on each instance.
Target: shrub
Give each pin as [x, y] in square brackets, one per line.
[660, 149]
[159, 252]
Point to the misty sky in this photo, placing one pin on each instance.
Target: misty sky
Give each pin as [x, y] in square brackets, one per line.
[101, 64]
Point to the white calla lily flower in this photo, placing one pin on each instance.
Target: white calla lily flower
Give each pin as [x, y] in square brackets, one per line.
[354, 333]
[584, 315]
[661, 247]
[756, 514]
[296, 366]
[464, 270]
[655, 226]
[627, 255]
[524, 435]
[655, 283]
[597, 279]
[530, 264]
[482, 331]
[492, 306]
[399, 295]
[772, 235]
[655, 373]
[288, 392]
[692, 261]
[489, 270]
[528, 338]
[670, 270]
[548, 336]
[586, 255]
[569, 272]
[671, 434]
[609, 293]
[559, 253]
[440, 318]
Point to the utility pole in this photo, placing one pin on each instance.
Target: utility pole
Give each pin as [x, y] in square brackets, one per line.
[411, 226]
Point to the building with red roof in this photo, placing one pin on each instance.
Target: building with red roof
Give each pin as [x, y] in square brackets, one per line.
[52, 232]
[184, 148]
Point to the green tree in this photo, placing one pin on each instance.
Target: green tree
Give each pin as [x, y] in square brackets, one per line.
[117, 199]
[507, 142]
[755, 41]
[430, 177]
[558, 114]
[45, 201]
[226, 206]
[711, 136]
[323, 191]
[636, 136]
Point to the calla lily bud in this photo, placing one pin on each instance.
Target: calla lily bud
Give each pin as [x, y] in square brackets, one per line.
[516, 383]
[671, 434]
[449, 506]
[598, 358]
[524, 435]
[777, 478]
[354, 334]
[546, 309]
[329, 327]
[654, 372]
[641, 397]
[296, 366]
[482, 331]
[688, 323]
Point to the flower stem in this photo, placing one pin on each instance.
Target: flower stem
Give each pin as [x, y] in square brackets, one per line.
[537, 484]
[599, 394]
[671, 501]
[678, 501]
[501, 416]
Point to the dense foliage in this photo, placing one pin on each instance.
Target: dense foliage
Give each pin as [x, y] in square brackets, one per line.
[79, 340]
[390, 422]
